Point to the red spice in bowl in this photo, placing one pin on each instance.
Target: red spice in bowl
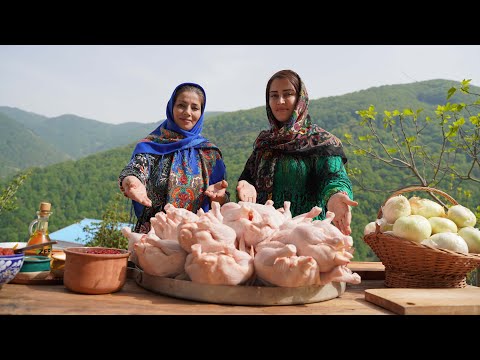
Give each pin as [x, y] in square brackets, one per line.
[103, 251]
[6, 251]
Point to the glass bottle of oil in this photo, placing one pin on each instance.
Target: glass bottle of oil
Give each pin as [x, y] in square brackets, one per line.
[40, 233]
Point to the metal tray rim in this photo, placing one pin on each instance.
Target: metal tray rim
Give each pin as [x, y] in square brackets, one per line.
[237, 295]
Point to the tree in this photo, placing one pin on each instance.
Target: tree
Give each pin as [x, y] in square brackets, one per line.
[7, 198]
[443, 149]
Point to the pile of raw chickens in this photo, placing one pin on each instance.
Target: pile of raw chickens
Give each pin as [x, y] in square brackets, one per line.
[244, 244]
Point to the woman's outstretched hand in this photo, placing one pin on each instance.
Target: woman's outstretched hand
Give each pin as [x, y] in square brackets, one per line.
[246, 191]
[216, 192]
[134, 189]
[339, 204]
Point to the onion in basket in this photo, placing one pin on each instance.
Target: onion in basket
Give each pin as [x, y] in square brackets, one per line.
[425, 207]
[461, 216]
[412, 227]
[441, 225]
[471, 236]
[396, 207]
[449, 241]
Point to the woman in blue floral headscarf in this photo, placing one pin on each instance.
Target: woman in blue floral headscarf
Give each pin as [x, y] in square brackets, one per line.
[296, 160]
[175, 163]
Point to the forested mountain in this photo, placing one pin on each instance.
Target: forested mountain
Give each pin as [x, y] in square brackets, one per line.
[82, 188]
[64, 137]
[21, 148]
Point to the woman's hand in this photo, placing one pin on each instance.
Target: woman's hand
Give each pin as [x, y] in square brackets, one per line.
[216, 192]
[246, 191]
[134, 189]
[339, 204]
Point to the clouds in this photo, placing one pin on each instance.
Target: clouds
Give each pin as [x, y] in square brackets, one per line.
[117, 84]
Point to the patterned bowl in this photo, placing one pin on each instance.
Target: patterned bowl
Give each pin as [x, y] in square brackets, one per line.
[10, 266]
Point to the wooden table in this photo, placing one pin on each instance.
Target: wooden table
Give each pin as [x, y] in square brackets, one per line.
[133, 299]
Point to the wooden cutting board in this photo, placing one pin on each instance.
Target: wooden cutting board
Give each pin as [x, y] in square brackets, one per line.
[465, 301]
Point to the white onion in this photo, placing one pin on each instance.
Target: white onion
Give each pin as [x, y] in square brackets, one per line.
[384, 225]
[449, 241]
[369, 228]
[396, 207]
[426, 208]
[471, 236]
[412, 227]
[461, 216]
[441, 225]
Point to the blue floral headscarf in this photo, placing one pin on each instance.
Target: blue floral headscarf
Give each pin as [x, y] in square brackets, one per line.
[159, 143]
[170, 138]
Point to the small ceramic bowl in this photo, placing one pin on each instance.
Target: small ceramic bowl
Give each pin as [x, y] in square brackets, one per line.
[10, 266]
[35, 263]
[57, 265]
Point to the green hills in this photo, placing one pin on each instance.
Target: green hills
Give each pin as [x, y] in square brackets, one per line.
[39, 141]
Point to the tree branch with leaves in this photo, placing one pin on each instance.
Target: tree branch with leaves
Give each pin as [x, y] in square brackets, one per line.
[7, 198]
[429, 150]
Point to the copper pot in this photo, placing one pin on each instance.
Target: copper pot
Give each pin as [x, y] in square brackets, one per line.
[90, 273]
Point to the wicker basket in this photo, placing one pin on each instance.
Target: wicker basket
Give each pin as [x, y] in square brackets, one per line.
[412, 265]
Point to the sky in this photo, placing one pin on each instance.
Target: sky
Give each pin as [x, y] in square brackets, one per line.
[124, 83]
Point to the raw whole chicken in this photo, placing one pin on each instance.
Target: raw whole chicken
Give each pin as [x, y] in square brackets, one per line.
[249, 225]
[165, 223]
[303, 218]
[312, 241]
[338, 274]
[215, 211]
[179, 214]
[133, 238]
[285, 210]
[333, 232]
[160, 257]
[227, 267]
[207, 231]
[269, 215]
[284, 251]
[278, 264]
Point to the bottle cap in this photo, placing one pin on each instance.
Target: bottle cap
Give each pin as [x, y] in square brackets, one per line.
[45, 207]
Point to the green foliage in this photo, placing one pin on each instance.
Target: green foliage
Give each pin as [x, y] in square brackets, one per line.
[412, 140]
[107, 233]
[7, 198]
[76, 189]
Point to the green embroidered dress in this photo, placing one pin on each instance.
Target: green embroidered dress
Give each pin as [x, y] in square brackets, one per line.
[306, 182]
[309, 182]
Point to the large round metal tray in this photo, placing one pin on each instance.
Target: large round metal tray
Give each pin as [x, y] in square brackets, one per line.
[237, 295]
